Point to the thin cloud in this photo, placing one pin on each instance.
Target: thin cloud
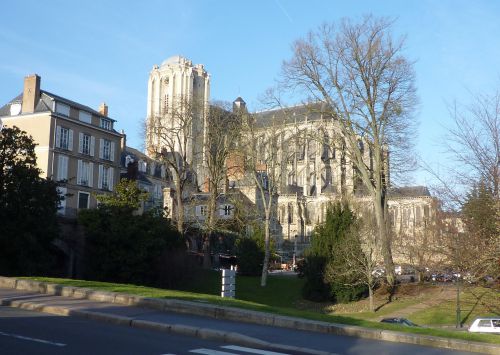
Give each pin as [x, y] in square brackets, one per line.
[19, 41]
[282, 8]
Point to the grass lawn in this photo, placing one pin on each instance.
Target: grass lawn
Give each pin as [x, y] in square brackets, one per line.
[280, 296]
[388, 309]
[474, 302]
[280, 291]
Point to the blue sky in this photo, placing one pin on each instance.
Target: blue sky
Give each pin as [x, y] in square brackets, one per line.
[95, 51]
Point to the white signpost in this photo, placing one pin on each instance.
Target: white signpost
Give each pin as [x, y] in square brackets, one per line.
[228, 282]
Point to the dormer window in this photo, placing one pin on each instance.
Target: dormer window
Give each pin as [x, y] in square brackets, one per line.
[226, 210]
[85, 117]
[142, 166]
[62, 109]
[106, 124]
[128, 159]
[15, 109]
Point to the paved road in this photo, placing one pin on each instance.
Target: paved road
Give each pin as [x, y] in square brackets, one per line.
[28, 332]
[91, 337]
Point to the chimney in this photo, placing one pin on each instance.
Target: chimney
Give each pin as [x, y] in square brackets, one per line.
[31, 93]
[123, 140]
[103, 109]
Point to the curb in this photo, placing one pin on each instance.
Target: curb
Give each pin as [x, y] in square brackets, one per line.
[226, 313]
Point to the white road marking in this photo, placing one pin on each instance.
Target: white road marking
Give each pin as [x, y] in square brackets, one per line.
[17, 336]
[210, 352]
[251, 350]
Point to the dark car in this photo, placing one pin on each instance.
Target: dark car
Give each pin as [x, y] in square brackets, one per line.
[400, 321]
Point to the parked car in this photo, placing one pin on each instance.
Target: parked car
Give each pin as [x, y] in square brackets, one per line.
[379, 271]
[400, 321]
[485, 325]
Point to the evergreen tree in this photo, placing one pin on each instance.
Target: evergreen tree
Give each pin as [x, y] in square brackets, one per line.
[479, 253]
[122, 246]
[326, 264]
[126, 195]
[28, 208]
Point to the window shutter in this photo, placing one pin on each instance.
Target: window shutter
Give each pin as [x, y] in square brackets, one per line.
[99, 179]
[66, 162]
[197, 211]
[80, 142]
[221, 211]
[101, 148]
[70, 140]
[59, 167]
[62, 167]
[79, 172]
[92, 145]
[58, 137]
[112, 152]
[110, 178]
[91, 174]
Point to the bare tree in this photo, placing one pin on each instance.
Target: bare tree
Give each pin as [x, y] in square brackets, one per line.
[369, 87]
[223, 131]
[470, 183]
[262, 151]
[170, 138]
[473, 143]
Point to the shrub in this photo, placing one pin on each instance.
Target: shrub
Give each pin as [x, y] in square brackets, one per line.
[250, 256]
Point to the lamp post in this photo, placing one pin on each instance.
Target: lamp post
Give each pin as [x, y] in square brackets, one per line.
[295, 251]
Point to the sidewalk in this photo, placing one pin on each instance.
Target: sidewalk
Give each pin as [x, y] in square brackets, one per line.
[197, 319]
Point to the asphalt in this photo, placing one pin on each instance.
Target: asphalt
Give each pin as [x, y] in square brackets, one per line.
[28, 332]
[197, 319]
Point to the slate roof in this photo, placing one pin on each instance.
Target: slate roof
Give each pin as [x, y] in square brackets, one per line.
[409, 191]
[292, 190]
[45, 104]
[292, 115]
[5, 109]
[76, 105]
[138, 155]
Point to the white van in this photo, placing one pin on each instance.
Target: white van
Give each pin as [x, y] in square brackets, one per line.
[485, 325]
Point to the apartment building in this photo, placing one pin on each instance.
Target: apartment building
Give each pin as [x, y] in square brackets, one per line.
[151, 175]
[77, 145]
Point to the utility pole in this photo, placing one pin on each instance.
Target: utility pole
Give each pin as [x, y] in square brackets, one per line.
[458, 321]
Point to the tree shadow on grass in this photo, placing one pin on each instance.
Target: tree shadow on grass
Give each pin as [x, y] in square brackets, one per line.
[480, 300]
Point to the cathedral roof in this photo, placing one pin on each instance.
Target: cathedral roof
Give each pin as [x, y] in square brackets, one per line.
[176, 59]
[292, 115]
[409, 191]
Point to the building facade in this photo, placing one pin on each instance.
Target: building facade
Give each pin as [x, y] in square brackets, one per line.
[151, 175]
[76, 145]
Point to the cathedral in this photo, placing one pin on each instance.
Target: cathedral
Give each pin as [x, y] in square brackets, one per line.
[178, 97]
[312, 172]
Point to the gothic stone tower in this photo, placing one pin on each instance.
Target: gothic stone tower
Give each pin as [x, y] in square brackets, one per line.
[178, 95]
